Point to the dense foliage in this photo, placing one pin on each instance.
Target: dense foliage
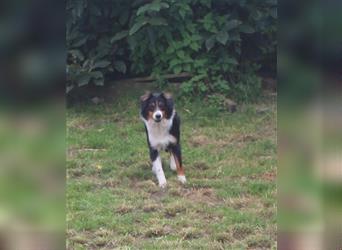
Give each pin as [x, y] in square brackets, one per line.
[221, 43]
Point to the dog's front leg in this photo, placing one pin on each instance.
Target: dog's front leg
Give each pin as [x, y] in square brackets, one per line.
[157, 167]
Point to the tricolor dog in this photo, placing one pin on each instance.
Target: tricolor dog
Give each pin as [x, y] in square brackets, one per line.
[162, 125]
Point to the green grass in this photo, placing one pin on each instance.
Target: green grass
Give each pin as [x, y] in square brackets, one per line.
[113, 200]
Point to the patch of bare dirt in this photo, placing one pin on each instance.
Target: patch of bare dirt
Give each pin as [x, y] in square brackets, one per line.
[147, 208]
[199, 140]
[240, 231]
[203, 140]
[258, 242]
[75, 172]
[147, 185]
[159, 194]
[201, 166]
[202, 195]
[224, 238]
[124, 209]
[236, 140]
[245, 138]
[174, 210]
[191, 233]
[111, 183]
[80, 124]
[243, 202]
[157, 231]
[268, 176]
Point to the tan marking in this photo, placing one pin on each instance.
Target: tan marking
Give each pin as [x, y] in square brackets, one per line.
[149, 115]
[168, 95]
[180, 169]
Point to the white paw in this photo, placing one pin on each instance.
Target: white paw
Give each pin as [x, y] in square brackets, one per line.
[162, 184]
[182, 179]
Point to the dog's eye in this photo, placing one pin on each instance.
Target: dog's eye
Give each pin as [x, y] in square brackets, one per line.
[151, 105]
[161, 105]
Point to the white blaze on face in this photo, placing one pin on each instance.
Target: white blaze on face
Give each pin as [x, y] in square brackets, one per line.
[158, 115]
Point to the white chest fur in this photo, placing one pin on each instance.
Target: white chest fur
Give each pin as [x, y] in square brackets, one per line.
[158, 133]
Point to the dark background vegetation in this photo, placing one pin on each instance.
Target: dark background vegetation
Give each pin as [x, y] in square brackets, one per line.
[222, 46]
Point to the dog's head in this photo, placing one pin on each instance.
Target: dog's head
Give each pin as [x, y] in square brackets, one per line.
[156, 106]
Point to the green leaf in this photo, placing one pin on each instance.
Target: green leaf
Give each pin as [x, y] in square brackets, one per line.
[120, 35]
[120, 66]
[99, 82]
[256, 14]
[96, 74]
[83, 79]
[231, 60]
[164, 5]
[187, 68]
[143, 9]
[86, 63]
[202, 87]
[154, 6]
[209, 43]
[136, 27]
[177, 69]
[232, 24]
[182, 13]
[194, 46]
[180, 54]
[157, 21]
[245, 28]
[170, 50]
[77, 53]
[69, 88]
[79, 42]
[222, 37]
[174, 62]
[101, 64]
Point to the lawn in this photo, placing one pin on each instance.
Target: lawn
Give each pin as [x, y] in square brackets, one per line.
[229, 201]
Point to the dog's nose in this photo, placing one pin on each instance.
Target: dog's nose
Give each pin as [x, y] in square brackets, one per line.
[158, 116]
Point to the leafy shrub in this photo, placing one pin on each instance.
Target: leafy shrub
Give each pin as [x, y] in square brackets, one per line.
[94, 40]
[222, 43]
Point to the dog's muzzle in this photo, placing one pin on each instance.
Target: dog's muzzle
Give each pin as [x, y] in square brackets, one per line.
[157, 116]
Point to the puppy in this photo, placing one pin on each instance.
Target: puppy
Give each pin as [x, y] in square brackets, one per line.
[162, 126]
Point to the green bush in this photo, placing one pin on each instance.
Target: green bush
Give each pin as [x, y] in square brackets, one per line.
[221, 43]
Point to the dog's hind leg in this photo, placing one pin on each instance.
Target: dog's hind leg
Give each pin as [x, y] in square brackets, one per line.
[177, 155]
[173, 165]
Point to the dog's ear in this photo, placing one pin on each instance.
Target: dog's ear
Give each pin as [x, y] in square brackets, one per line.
[144, 97]
[144, 102]
[167, 95]
[169, 103]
